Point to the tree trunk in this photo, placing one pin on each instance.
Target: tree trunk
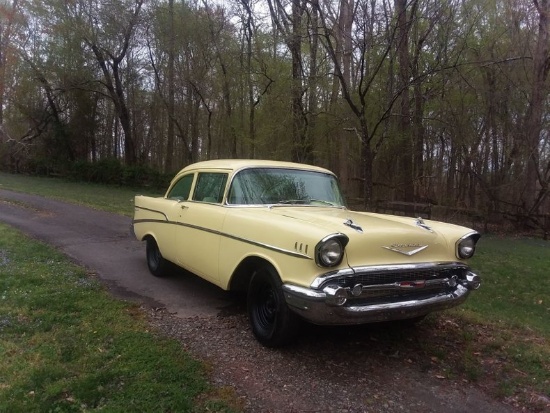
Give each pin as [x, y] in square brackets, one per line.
[169, 165]
[110, 67]
[6, 22]
[345, 30]
[405, 154]
[130, 157]
[302, 147]
[533, 118]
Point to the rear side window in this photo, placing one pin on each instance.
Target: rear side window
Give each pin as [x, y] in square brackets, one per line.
[182, 188]
[210, 187]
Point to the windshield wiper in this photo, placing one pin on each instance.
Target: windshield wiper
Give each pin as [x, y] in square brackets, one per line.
[322, 201]
[306, 202]
[294, 201]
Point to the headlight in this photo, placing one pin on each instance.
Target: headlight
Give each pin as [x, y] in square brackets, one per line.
[466, 246]
[330, 251]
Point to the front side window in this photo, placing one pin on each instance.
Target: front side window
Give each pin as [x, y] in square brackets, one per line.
[182, 188]
[210, 187]
[258, 186]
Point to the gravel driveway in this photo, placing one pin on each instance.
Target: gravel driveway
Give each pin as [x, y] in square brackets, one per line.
[382, 368]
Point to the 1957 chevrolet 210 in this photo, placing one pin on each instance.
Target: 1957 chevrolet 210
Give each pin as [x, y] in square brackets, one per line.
[280, 232]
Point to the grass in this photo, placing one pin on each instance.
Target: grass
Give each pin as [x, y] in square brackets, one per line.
[516, 282]
[500, 338]
[108, 198]
[67, 346]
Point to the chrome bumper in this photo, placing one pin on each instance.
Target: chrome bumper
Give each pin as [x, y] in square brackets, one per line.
[332, 306]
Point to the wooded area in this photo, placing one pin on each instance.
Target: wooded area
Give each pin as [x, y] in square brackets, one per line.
[433, 101]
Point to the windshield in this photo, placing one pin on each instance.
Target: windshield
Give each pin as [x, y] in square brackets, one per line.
[284, 186]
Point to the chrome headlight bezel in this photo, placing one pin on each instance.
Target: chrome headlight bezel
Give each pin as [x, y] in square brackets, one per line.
[466, 245]
[329, 252]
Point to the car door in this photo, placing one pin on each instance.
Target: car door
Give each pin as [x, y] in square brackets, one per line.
[173, 204]
[200, 223]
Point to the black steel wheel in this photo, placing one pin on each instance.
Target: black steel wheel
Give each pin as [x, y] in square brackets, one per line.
[156, 263]
[272, 322]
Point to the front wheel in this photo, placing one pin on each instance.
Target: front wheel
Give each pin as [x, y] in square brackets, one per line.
[272, 322]
[155, 261]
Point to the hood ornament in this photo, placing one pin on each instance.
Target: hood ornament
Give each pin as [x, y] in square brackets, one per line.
[420, 222]
[353, 225]
[406, 249]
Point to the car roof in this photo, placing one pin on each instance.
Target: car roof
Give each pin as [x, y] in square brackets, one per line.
[236, 164]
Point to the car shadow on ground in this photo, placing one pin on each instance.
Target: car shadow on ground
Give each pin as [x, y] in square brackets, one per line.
[390, 338]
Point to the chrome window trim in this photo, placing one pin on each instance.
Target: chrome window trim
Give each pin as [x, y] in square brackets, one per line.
[234, 173]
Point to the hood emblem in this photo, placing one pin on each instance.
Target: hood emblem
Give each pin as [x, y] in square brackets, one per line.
[406, 249]
[353, 225]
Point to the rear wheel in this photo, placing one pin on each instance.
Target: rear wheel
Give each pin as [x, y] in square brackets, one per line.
[272, 322]
[156, 263]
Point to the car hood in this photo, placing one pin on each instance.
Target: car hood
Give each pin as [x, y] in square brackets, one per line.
[377, 239]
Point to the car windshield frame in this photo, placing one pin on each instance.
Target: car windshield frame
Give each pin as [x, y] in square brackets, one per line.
[280, 186]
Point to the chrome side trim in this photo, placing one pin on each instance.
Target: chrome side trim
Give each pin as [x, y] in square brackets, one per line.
[267, 246]
[230, 236]
[152, 210]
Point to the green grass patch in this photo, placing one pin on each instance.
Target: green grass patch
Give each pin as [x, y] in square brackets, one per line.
[66, 345]
[515, 282]
[504, 327]
[115, 199]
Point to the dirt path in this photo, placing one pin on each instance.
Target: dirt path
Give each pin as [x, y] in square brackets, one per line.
[368, 369]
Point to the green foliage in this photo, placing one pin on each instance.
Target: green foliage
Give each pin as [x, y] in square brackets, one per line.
[107, 171]
[104, 171]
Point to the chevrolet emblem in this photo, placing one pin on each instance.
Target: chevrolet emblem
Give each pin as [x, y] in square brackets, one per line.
[406, 249]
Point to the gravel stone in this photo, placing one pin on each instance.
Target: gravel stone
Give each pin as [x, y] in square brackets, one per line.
[328, 370]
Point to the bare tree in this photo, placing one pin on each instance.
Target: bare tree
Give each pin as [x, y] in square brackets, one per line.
[7, 18]
[537, 175]
[369, 67]
[110, 58]
[289, 24]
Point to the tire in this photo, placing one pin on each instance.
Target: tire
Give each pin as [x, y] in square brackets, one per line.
[272, 322]
[155, 262]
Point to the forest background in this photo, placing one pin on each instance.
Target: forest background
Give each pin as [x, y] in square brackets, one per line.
[441, 102]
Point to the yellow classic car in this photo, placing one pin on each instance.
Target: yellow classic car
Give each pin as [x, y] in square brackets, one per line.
[281, 233]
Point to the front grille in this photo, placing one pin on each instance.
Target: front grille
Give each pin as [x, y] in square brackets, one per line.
[390, 277]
